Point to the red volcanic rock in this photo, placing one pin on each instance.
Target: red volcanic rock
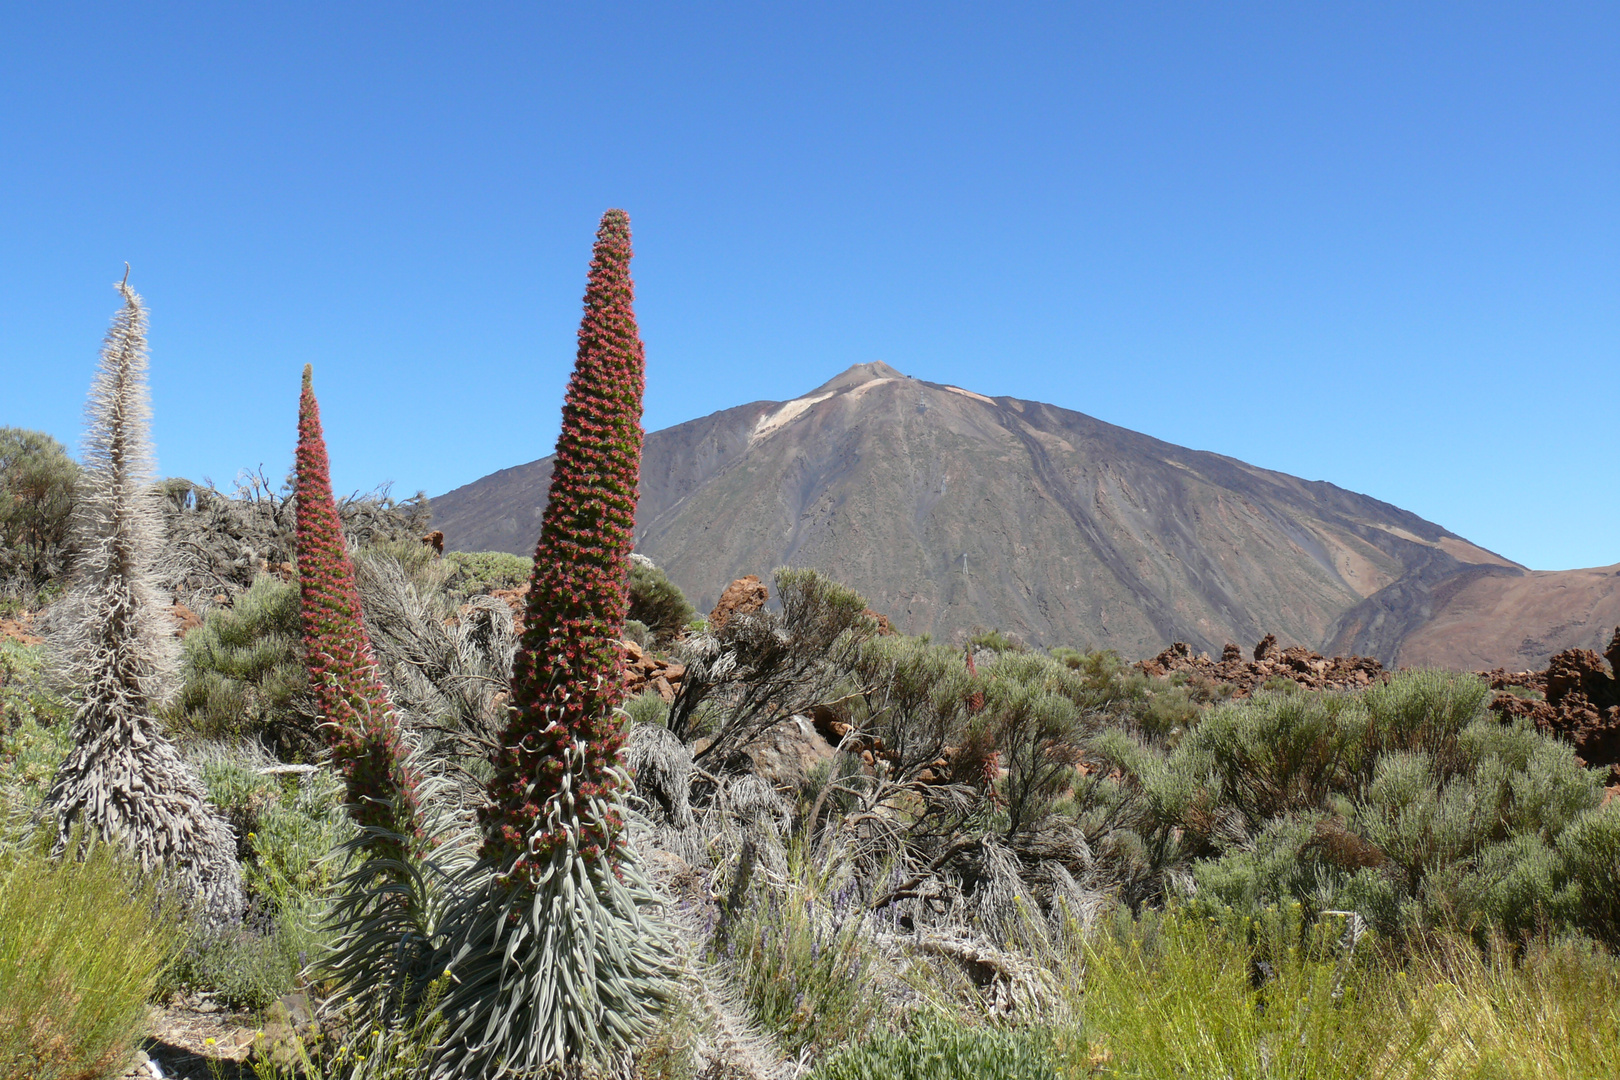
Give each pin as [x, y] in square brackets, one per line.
[18, 630]
[1295, 663]
[1266, 644]
[643, 671]
[884, 628]
[744, 596]
[1582, 701]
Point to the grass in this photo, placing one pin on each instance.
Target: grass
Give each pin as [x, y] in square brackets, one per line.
[82, 945]
[1550, 1010]
[937, 1047]
[1173, 995]
[803, 964]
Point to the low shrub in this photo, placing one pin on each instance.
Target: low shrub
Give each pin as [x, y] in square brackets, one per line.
[997, 641]
[479, 572]
[1409, 803]
[657, 603]
[82, 944]
[646, 707]
[244, 673]
[802, 961]
[935, 1047]
[287, 827]
[34, 735]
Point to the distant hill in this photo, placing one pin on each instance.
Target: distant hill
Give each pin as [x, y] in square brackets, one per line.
[951, 510]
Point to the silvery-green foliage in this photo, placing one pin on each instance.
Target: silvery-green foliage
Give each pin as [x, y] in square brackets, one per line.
[565, 966]
[244, 675]
[661, 766]
[446, 665]
[123, 778]
[388, 915]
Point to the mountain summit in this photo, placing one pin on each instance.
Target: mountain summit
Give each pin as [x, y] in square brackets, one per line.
[948, 509]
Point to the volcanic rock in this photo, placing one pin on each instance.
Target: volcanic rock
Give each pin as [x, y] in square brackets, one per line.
[1581, 701]
[744, 596]
[643, 671]
[185, 620]
[1296, 663]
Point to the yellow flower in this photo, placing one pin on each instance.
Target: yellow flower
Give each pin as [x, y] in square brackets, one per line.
[208, 1042]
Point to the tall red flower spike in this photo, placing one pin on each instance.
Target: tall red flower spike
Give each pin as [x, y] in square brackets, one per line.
[357, 715]
[562, 741]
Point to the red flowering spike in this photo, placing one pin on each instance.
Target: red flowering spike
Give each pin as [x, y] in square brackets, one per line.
[562, 740]
[357, 715]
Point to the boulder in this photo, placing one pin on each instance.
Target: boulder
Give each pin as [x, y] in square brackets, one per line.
[744, 596]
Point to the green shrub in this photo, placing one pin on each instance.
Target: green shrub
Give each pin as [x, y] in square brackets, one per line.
[244, 969]
[244, 672]
[288, 830]
[479, 572]
[1033, 714]
[940, 1048]
[646, 707]
[37, 480]
[1591, 851]
[1408, 803]
[657, 603]
[287, 827]
[34, 737]
[81, 947]
[637, 632]
[996, 641]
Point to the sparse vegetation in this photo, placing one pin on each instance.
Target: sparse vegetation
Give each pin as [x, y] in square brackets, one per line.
[839, 853]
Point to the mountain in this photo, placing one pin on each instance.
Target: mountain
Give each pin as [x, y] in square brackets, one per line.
[950, 510]
[1476, 621]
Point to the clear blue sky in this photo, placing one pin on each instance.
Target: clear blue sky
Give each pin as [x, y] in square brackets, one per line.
[1372, 244]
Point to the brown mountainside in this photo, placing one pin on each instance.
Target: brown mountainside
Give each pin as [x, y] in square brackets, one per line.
[949, 510]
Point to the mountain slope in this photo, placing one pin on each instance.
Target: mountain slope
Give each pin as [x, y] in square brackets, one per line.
[948, 509]
[1480, 621]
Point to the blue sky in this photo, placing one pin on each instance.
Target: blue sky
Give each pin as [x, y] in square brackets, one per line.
[1372, 244]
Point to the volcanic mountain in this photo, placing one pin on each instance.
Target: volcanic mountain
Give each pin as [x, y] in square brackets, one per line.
[950, 510]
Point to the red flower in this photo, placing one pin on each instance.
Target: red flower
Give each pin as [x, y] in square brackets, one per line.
[357, 716]
[562, 736]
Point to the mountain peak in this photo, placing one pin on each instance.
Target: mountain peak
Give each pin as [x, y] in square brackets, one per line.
[856, 375]
[948, 510]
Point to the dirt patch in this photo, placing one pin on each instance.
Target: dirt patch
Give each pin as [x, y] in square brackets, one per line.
[193, 1040]
[20, 629]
